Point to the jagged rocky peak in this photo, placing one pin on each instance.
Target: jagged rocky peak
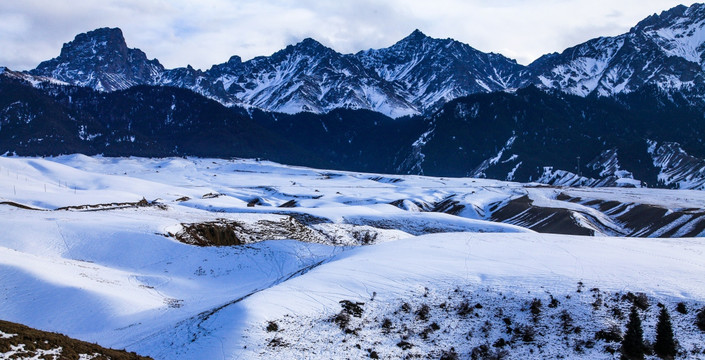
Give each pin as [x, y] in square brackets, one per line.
[415, 36]
[679, 32]
[235, 60]
[408, 46]
[417, 41]
[102, 60]
[309, 43]
[665, 51]
[696, 10]
[233, 63]
[99, 42]
[97, 47]
[433, 71]
[307, 47]
[671, 16]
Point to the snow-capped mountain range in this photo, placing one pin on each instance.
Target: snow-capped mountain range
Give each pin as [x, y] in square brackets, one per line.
[518, 123]
[415, 75]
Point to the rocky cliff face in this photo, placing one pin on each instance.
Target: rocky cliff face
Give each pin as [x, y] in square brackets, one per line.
[100, 59]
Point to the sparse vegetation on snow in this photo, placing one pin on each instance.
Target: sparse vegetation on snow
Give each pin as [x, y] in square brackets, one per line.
[439, 323]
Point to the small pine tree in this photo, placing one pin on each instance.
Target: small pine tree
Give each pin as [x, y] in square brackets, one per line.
[700, 319]
[665, 345]
[633, 344]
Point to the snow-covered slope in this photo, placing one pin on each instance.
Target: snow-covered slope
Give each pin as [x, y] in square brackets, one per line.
[83, 254]
[678, 169]
[30, 79]
[447, 294]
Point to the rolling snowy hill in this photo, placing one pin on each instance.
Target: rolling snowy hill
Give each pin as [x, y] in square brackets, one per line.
[205, 258]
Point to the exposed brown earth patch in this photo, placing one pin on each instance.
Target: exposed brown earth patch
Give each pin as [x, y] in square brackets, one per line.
[223, 232]
[31, 340]
[522, 212]
[449, 206]
[20, 206]
[645, 220]
[114, 206]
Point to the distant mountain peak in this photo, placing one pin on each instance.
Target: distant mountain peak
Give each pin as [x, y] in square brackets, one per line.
[671, 16]
[101, 59]
[97, 41]
[104, 32]
[665, 50]
[309, 44]
[416, 35]
[418, 39]
[306, 47]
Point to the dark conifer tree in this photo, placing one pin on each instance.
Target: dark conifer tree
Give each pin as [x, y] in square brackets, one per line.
[665, 345]
[633, 344]
[700, 319]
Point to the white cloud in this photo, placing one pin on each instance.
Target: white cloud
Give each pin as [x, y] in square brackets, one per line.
[207, 32]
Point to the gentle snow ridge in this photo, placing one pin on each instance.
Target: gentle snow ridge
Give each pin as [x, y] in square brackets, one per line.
[115, 274]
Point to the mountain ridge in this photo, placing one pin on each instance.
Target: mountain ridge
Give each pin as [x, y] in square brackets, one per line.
[614, 111]
[665, 50]
[416, 75]
[647, 138]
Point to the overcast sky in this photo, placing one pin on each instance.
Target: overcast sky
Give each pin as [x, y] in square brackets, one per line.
[206, 32]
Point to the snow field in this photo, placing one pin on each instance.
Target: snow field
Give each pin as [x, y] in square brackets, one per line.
[116, 275]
